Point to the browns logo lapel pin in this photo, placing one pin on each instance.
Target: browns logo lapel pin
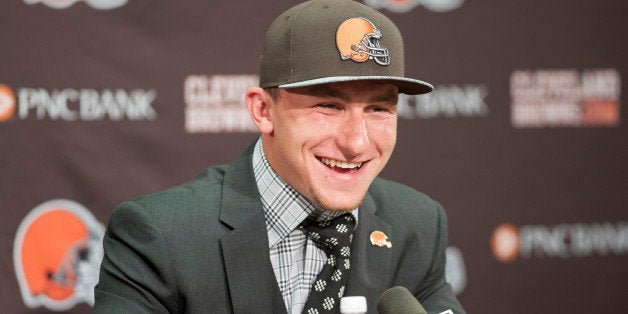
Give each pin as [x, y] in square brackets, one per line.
[380, 239]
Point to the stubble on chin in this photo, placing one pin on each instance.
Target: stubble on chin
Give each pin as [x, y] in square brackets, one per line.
[336, 205]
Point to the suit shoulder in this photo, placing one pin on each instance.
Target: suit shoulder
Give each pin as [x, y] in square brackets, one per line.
[201, 192]
[393, 191]
[209, 180]
[399, 200]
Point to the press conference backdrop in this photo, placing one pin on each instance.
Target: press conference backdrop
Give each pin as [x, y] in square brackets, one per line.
[524, 140]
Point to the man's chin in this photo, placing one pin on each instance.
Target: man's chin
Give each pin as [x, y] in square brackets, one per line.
[339, 209]
[339, 204]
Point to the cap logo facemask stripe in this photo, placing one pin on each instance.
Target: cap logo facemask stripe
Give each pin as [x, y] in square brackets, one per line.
[358, 39]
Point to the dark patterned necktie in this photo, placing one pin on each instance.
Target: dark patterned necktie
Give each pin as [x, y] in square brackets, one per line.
[334, 237]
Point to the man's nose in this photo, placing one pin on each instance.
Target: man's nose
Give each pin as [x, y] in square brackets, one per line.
[354, 137]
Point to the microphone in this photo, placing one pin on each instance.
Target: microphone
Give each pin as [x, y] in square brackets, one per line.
[399, 300]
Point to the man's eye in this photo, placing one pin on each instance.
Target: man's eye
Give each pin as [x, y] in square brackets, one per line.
[328, 106]
[379, 109]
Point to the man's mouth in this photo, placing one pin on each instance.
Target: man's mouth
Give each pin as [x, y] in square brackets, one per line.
[341, 165]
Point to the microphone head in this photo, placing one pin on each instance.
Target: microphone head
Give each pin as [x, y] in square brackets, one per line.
[399, 300]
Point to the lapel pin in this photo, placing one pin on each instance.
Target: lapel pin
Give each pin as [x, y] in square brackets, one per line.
[380, 239]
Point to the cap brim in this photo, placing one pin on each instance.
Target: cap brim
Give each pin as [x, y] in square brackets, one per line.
[406, 85]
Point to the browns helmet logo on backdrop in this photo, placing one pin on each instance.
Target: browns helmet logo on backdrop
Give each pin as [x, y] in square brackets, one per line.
[57, 254]
[358, 39]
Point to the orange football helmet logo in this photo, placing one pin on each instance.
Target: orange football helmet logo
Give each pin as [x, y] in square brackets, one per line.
[358, 39]
[57, 255]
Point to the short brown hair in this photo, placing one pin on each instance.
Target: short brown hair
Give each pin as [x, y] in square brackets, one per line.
[273, 92]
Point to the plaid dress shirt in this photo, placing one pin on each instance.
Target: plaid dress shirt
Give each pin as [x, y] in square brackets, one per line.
[296, 260]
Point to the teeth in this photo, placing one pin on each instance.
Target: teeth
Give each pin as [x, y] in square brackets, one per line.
[341, 164]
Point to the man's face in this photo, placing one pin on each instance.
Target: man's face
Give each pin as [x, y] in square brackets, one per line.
[330, 141]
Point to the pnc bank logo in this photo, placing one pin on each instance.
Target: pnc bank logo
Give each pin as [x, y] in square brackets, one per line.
[57, 254]
[7, 103]
[69, 104]
[446, 101]
[505, 242]
[509, 242]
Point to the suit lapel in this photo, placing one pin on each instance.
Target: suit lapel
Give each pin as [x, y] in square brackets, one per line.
[246, 247]
[252, 283]
[369, 264]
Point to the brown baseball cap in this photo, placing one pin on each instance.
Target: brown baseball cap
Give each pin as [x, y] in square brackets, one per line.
[327, 41]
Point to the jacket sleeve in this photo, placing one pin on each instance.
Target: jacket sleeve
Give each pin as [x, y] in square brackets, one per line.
[437, 295]
[136, 275]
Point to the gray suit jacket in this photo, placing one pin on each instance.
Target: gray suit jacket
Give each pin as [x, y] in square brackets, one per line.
[202, 247]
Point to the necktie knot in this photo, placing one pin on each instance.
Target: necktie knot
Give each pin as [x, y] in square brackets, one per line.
[332, 236]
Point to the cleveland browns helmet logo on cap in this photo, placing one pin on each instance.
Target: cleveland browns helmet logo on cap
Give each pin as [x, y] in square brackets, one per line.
[57, 255]
[358, 39]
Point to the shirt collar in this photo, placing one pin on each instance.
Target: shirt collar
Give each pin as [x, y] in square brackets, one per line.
[284, 207]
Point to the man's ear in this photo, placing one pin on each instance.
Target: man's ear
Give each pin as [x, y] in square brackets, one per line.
[258, 103]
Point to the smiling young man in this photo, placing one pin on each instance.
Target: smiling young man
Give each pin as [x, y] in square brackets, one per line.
[328, 141]
[246, 237]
